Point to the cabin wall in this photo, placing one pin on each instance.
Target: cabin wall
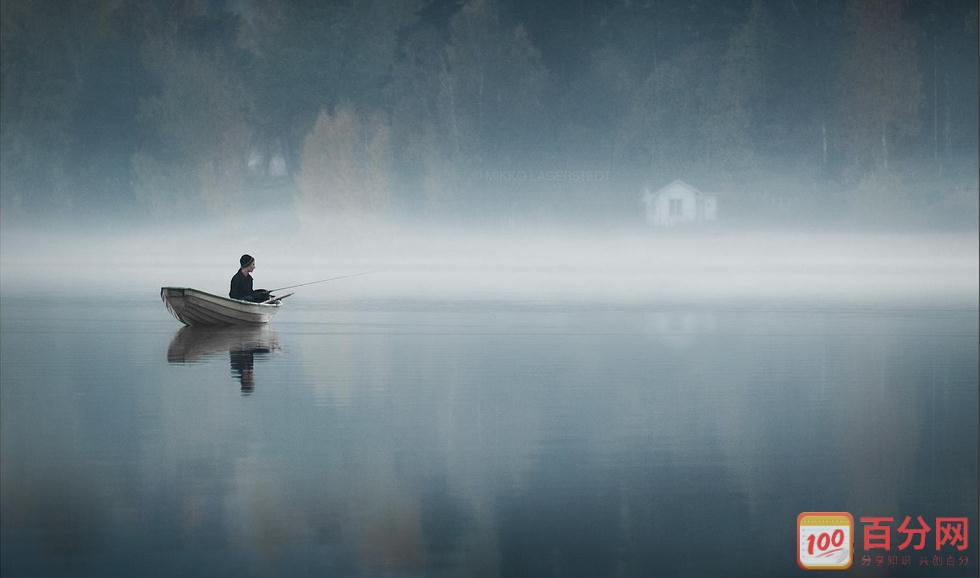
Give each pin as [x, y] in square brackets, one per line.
[678, 204]
[686, 210]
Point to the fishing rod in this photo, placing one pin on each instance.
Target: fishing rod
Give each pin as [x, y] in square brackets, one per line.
[322, 281]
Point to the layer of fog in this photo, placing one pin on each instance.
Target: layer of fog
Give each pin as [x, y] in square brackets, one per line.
[629, 266]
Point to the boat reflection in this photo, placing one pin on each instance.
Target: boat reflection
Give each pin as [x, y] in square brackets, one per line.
[243, 344]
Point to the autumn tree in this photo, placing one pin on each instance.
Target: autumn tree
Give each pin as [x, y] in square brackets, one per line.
[306, 56]
[345, 166]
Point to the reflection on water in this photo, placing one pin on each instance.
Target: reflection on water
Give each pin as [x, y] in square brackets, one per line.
[243, 344]
[477, 441]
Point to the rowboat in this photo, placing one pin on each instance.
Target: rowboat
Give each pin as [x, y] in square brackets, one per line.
[193, 307]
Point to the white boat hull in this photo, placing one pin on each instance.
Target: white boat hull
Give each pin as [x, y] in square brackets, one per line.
[193, 307]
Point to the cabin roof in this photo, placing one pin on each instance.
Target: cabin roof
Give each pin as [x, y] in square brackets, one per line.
[676, 185]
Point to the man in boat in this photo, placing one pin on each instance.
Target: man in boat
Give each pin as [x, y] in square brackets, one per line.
[241, 283]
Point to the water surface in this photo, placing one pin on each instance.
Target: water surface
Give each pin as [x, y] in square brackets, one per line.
[411, 438]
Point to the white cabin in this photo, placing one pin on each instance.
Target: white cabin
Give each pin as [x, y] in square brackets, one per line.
[678, 204]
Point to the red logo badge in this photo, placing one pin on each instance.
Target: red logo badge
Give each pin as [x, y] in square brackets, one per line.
[824, 540]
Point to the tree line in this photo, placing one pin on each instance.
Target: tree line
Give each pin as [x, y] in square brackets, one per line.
[430, 107]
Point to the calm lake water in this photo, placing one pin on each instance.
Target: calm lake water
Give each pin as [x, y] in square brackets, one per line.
[476, 439]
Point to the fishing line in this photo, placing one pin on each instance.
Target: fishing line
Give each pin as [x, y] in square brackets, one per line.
[323, 281]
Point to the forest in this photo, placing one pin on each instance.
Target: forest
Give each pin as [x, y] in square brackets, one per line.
[490, 111]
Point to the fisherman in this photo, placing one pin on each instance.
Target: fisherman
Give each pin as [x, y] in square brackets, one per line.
[241, 283]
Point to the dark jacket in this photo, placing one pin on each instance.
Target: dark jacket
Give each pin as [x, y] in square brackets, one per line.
[241, 286]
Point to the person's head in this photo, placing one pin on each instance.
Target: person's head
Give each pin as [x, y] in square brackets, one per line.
[248, 263]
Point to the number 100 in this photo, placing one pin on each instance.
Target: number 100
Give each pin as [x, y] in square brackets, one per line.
[825, 540]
